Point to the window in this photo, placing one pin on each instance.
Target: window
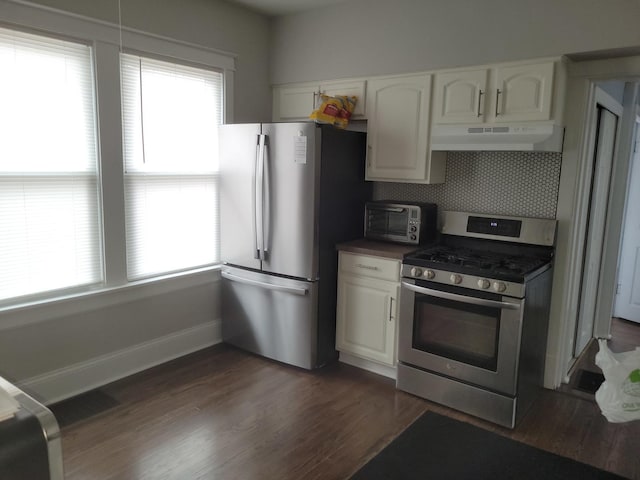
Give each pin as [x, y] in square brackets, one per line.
[49, 199]
[170, 117]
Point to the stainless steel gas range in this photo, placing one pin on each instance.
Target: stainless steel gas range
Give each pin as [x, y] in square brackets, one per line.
[474, 315]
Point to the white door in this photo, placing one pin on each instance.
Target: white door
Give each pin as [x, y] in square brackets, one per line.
[294, 103]
[398, 129]
[523, 92]
[366, 318]
[605, 146]
[356, 89]
[627, 304]
[460, 96]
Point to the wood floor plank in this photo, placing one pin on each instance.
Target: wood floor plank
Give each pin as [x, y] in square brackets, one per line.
[222, 413]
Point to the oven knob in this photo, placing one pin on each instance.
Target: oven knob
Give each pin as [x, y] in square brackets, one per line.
[413, 228]
[484, 283]
[455, 278]
[429, 274]
[413, 237]
[416, 272]
[499, 286]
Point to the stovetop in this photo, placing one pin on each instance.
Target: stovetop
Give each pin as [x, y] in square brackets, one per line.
[478, 264]
[482, 263]
[488, 253]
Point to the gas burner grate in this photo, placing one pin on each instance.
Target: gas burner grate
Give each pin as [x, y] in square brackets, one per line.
[480, 262]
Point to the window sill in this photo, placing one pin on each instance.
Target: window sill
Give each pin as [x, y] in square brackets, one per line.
[104, 296]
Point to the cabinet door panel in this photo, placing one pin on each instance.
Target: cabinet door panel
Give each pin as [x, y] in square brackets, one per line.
[398, 111]
[348, 88]
[366, 318]
[460, 96]
[524, 92]
[294, 103]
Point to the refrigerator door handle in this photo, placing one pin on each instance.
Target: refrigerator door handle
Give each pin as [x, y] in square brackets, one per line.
[259, 197]
[280, 288]
[254, 205]
[266, 198]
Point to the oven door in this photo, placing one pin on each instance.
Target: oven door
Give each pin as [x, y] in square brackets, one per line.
[464, 334]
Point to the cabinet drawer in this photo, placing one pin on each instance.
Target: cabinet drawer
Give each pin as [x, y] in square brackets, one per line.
[367, 266]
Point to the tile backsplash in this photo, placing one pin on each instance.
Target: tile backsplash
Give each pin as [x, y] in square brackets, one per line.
[523, 184]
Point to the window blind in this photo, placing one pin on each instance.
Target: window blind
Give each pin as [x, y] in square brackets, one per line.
[170, 117]
[49, 197]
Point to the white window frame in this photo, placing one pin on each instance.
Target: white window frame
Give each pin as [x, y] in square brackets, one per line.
[107, 41]
[86, 176]
[163, 248]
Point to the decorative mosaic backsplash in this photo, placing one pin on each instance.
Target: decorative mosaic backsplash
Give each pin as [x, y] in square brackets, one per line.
[523, 184]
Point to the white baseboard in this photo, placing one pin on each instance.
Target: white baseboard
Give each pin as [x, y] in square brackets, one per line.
[66, 382]
[384, 370]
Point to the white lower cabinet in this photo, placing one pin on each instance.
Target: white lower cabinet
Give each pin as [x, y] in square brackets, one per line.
[366, 317]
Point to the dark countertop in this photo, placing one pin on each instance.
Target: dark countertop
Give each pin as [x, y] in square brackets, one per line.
[379, 249]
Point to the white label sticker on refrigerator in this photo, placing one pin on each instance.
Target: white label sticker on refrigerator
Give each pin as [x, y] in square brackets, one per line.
[300, 149]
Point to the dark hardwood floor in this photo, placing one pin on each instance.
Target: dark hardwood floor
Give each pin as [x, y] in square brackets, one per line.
[224, 414]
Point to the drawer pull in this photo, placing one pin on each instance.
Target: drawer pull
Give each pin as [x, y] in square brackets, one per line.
[367, 267]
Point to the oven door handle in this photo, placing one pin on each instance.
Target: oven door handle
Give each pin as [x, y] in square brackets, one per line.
[461, 298]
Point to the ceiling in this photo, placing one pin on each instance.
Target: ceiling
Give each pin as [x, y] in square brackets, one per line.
[284, 7]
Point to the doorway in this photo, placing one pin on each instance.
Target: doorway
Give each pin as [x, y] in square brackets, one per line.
[605, 264]
[604, 135]
[627, 303]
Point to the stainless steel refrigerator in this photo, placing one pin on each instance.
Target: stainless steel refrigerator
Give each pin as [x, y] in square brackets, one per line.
[289, 192]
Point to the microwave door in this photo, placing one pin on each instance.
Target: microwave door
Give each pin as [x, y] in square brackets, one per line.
[388, 221]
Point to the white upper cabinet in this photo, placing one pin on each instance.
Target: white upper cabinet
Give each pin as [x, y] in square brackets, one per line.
[295, 102]
[398, 111]
[524, 92]
[497, 94]
[460, 96]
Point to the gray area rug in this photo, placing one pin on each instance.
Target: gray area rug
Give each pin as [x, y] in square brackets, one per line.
[438, 447]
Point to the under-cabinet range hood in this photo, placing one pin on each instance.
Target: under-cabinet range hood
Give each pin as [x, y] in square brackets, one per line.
[527, 138]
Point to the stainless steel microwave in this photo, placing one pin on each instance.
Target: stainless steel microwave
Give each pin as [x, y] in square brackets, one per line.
[390, 221]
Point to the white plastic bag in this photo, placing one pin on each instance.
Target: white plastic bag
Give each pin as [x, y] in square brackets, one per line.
[619, 395]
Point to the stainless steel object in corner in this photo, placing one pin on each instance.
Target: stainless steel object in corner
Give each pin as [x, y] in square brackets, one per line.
[288, 193]
[33, 443]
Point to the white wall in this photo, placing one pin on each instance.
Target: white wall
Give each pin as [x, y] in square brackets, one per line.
[372, 37]
[55, 349]
[210, 23]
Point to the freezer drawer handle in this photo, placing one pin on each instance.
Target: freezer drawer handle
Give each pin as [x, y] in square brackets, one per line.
[280, 288]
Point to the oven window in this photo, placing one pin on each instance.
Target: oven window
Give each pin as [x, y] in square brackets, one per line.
[459, 331]
[383, 222]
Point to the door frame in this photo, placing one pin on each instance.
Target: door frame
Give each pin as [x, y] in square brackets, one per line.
[615, 212]
[599, 181]
[573, 201]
